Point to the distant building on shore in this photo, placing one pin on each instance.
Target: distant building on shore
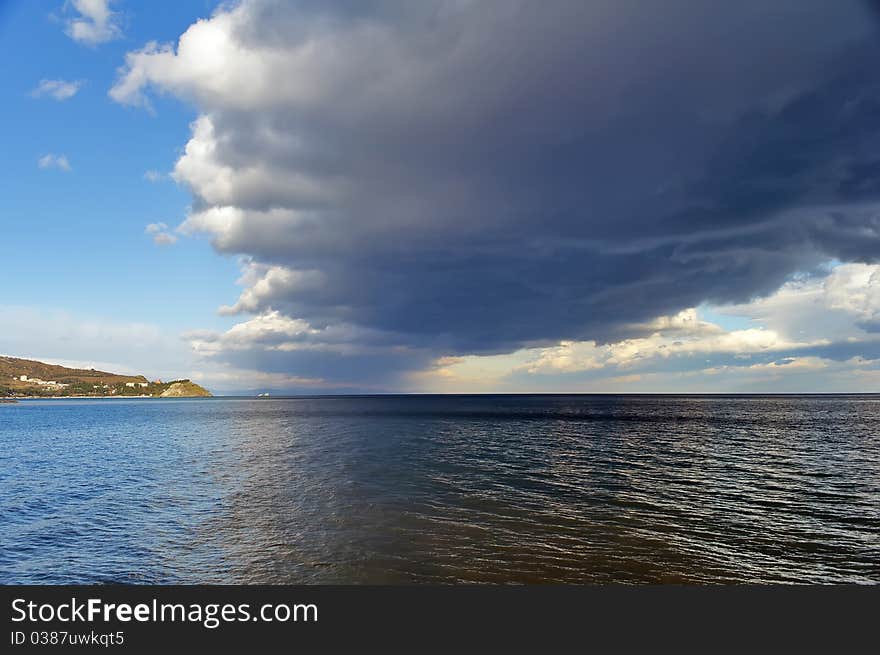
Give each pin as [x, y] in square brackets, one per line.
[42, 383]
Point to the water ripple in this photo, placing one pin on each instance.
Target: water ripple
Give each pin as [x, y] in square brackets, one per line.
[491, 489]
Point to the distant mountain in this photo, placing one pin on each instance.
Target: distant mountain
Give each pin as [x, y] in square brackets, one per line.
[25, 377]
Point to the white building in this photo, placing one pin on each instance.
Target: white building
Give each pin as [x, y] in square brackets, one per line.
[42, 383]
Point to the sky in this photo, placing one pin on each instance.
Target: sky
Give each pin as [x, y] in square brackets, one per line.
[445, 196]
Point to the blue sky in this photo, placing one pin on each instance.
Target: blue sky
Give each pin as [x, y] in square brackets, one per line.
[381, 196]
[79, 234]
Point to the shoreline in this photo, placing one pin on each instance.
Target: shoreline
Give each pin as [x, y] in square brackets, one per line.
[104, 397]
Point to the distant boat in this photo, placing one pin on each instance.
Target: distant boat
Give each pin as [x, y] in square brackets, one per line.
[262, 395]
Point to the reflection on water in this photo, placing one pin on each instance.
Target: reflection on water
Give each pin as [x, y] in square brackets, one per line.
[491, 489]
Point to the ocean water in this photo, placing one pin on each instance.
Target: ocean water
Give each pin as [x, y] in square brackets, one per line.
[480, 489]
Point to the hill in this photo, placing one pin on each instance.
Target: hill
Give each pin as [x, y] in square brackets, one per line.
[25, 377]
[184, 389]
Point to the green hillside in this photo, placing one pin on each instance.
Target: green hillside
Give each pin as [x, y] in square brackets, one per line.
[25, 377]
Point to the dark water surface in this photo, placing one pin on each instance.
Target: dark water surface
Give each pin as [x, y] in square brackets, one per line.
[442, 489]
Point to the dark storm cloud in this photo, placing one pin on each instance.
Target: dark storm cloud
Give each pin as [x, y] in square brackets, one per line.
[475, 177]
[360, 372]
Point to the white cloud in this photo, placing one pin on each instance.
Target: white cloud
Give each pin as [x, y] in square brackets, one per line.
[58, 89]
[94, 23]
[53, 335]
[855, 289]
[51, 160]
[842, 303]
[153, 176]
[262, 282]
[164, 239]
[211, 62]
[80, 341]
[804, 314]
[588, 356]
[684, 322]
[571, 356]
[277, 332]
[785, 366]
[677, 351]
[159, 233]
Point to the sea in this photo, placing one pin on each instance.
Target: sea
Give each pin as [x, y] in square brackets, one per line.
[489, 489]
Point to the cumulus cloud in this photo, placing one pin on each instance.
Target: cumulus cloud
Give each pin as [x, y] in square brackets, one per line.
[679, 349]
[844, 302]
[580, 356]
[51, 160]
[813, 324]
[58, 89]
[682, 342]
[339, 355]
[160, 234]
[263, 282]
[459, 178]
[164, 239]
[855, 289]
[94, 21]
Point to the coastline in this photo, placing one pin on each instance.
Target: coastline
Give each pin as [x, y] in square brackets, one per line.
[17, 398]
